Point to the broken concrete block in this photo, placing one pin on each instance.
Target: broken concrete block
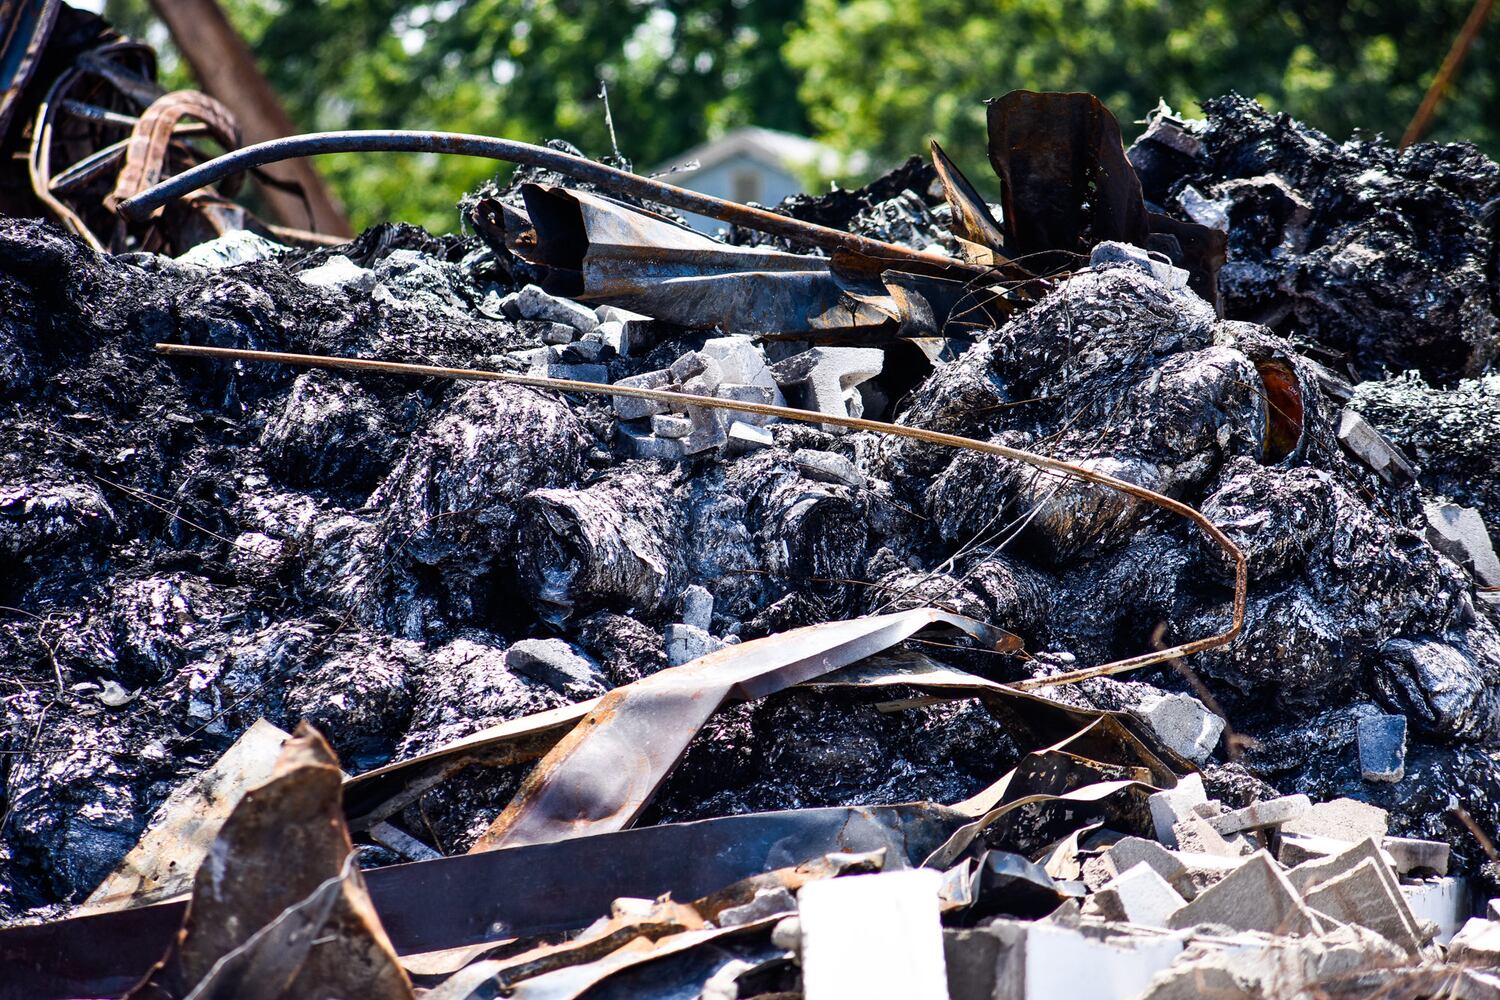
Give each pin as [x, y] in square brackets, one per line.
[1362, 895]
[635, 330]
[769, 396]
[1154, 264]
[1260, 815]
[533, 303]
[1133, 851]
[1139, 896]
[820, 378]
[1443, 902]
[612, 336]
[1182, 723]
[1205, 870]
[1410, 855]
[1295, 849]
[697, 606]
[1193, 833]
[740, 361]
[627, 408]
[338, 271]
[558, 665]
[637, 443]
[1382, 747]
[1370, 447]
[686, 643]
[508, 307]
[1476, 943]
[1255, 897]
[556, 333]
[1309, 875]
[707, 431]
[872, 935]
[1050, 960]
[1340, 819]
[669, 426]
[1459, 533]
[742, 437]
[577, 373]
[238, 246]
[1173, 804]
[827, 467]
[697, 373]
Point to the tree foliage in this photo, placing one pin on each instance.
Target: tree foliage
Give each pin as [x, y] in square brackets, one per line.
[869, 76]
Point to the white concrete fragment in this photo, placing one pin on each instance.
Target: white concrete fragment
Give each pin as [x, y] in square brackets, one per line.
[697, 607]
[1053, 962]
[1459, 533]
[1154, 264]
[828, 467]
[533, 303]
[820, 378]
[873, 936]
[1260, 815]
[638, 443]
[1172, 804]
[1442, 901]
[1340, 819]
[627, 408]
[1139, 896]
[744, 437]
[1182, 723]
[670, 426]
[686, 643]
[1369, 446]
[338, 271]
[239, 246]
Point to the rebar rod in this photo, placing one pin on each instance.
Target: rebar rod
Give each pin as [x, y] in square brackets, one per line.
[610, 178]
[1241, 575]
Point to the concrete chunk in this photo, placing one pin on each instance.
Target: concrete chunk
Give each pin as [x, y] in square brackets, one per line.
[1133, 851]
[1370, 447]
[1173, 804]
[1260, 815]
[1307, 877]
[556, 333]
[1476, 943]
[697, 607]
[1459, 533]
[627, 408]
[1183, 724]
[1340, 819]
[872, 935]
[686, 643]
[1156, 265]
[743, 437]
[533, 303]
[1443, 902]
[1362, 896]
[1382, 747]
[670, 426]
[821, 378]
[1049, 960]
[338, 271]
[707, 431]
[1255, 897]
[558, 665]
[769, 396]
[1409, 855]
[1194, 834]
[638, 443]
[1139, 896]
[1295, 849]
[828, 467]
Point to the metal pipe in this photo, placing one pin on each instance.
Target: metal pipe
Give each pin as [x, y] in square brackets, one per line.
[1241, 574]
[137, 209]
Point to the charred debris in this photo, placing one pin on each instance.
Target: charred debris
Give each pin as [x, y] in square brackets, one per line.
[1090, 594]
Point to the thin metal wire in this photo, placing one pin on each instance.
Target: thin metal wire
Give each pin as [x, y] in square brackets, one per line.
[1241, 575]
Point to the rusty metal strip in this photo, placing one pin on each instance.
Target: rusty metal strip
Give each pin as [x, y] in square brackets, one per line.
[521, 892]
[603, 773]
[1214, 533]
[151, 139]
[608, 178]
[971, 218]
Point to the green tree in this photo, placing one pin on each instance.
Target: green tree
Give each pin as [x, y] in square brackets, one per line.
[678, 71]
[926, 67]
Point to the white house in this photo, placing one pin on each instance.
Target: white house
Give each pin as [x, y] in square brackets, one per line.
[749, 164]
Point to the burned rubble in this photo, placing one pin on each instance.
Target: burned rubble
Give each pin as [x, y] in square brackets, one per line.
[696, 619]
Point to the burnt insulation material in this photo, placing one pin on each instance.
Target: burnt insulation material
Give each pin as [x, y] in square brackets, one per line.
[185, 548]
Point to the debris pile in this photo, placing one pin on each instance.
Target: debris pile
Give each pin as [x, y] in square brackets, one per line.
[849, 606]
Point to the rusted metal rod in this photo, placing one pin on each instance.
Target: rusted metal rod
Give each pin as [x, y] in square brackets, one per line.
[620, 181]
[1241, 575]
[1445, 74]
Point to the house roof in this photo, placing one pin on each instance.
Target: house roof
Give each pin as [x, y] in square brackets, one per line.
[778, 150]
